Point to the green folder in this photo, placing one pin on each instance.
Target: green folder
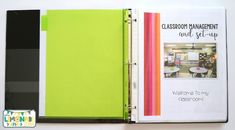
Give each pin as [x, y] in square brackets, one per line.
[86, 64]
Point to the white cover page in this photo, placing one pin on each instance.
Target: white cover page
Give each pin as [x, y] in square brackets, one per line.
[182, 65]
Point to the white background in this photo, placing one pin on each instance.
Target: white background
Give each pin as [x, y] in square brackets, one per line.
[77, 4]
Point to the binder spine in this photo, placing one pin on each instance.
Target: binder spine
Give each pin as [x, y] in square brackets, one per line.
[132, 64]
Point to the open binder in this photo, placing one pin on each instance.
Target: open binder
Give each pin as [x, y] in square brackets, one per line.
[119, 65]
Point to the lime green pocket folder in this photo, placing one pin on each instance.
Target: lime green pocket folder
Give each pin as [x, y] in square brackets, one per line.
[85, 64]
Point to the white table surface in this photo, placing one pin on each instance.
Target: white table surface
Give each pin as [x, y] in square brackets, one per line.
[198, 70]
[169, 70]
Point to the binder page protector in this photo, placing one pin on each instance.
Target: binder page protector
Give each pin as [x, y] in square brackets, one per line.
[182, 75]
